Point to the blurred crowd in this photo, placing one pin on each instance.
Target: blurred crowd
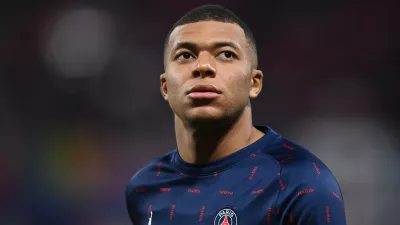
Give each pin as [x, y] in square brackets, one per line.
[81, 112]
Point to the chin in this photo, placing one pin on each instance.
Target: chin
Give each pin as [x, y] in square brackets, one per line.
[206, 114]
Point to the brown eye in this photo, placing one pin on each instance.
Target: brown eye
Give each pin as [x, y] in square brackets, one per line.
[227, 55]
[184, 56]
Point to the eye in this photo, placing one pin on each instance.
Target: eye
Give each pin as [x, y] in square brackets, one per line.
[184, 56]
[227, 55]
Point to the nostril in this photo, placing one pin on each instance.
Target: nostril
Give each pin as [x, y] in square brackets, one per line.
[196, 73]
[209, 73]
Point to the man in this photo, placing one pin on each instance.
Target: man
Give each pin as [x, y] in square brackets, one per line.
[225, 171]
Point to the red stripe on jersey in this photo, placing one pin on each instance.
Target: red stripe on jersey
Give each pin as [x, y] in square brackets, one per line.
[336, 195]
[281, 184]
[260, 191]
[269, 216]
[203, 208]
[307, 191]
[316, 168]
[328, 214]
[287, 146]
[159, 168]
[284, 160]
[253, 172]
[195, 191]
[224, 192]
[171, 214]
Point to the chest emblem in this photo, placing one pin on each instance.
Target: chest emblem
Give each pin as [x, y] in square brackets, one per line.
[225, 216]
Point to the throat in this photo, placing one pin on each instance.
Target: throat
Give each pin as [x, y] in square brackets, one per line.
[203, 148]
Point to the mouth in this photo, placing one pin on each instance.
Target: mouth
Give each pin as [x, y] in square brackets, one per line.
[204, 92]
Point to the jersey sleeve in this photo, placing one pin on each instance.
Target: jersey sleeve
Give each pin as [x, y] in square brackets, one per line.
[318, 205]
[317, 202]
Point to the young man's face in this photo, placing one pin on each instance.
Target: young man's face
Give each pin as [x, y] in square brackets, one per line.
[208, 71]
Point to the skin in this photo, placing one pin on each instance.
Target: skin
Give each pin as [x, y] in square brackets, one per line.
[218, 54]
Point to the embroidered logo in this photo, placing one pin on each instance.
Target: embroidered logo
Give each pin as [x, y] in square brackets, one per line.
[225, 216]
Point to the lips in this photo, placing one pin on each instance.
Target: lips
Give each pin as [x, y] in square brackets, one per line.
[204, 92]
[204, 88]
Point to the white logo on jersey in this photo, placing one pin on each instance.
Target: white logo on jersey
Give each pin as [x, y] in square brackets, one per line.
[151, 216]
[225, 217]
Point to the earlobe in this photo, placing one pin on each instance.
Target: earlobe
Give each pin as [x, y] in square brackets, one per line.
[256, 83]
[163, 87]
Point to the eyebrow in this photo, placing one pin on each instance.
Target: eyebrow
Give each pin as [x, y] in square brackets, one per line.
[185, 44]
[218, 44]
[226, 44]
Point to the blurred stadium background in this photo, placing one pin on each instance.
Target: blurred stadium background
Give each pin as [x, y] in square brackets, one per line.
[80, 109]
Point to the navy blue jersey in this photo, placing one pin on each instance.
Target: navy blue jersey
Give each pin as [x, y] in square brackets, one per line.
[272, 181]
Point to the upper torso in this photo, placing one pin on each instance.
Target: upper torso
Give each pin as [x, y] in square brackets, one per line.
[249, 187]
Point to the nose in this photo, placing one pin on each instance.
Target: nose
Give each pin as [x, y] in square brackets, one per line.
[205, 66]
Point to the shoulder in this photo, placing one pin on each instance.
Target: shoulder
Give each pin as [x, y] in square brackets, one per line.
[308, 190]
[296, 160]
[300, 169]
[302, 175]
[145, 176]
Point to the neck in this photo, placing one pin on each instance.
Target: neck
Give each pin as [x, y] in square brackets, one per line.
[203, 143]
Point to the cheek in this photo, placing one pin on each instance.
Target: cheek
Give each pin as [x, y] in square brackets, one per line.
[175, 83]
[239, 84]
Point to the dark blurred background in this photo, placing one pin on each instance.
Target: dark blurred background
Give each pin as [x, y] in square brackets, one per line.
[81, 112]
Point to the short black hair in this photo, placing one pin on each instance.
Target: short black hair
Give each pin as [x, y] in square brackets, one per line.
[214, 13]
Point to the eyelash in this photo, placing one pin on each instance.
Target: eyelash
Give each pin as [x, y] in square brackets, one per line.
[187, 52]
[232, 53]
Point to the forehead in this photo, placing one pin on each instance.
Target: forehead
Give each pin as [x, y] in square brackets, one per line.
[207, 32]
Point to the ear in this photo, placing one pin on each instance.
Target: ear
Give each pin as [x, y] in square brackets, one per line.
[163, 87]
[256, 83]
